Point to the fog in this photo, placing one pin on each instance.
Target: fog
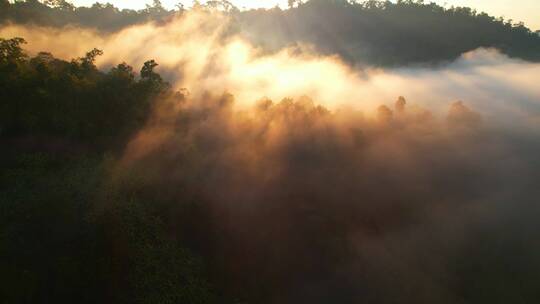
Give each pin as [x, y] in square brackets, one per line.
[318, 182]
[318, 205]
[201, 53]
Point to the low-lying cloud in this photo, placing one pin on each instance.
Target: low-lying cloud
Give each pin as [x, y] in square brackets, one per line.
[307, 204]
[351, 194]
[199, 51]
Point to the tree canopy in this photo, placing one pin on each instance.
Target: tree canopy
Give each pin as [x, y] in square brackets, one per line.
[388, 33]
[371, 31]
[64, 237]
[47, 96]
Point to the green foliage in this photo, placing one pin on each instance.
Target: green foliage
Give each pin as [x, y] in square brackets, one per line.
[370, 31]
[147, 71]
[61, 12]
[11, 50]
[68, 236]
[87, 61]
[45, 96]
[388, 33]
[156, 268]
[70, 231]
[48, 243]
[76, 227]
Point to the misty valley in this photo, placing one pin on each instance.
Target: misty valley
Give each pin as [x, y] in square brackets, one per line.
[331, 151]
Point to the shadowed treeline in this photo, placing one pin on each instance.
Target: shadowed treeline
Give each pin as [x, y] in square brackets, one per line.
[362, 32]
[74, 100]
[300, 204]
[117, 189]
[69, 232]
[58, 13]
[388, 33]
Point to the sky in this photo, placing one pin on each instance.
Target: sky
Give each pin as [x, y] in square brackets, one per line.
[527, 11]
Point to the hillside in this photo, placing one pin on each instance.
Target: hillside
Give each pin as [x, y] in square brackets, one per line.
[362, 32]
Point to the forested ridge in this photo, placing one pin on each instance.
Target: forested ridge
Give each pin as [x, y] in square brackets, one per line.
[118, 187]
[69, 232]
[365, 32]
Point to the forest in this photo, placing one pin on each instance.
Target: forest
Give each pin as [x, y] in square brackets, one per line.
[118, 186]
[375, 32]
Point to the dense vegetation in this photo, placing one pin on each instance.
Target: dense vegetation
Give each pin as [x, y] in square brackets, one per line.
[388, 33]
[373, 32]
[60, 13]
[205, 218]
[102, 106]
[68, 232]
[290, 203]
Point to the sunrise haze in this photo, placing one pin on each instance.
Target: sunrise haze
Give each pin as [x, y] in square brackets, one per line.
[517, 10]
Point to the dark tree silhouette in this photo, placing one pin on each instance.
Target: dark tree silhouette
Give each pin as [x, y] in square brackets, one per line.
[59, 243]
[371, 31]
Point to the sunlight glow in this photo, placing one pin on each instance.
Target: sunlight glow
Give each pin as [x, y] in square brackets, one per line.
[518, 10]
